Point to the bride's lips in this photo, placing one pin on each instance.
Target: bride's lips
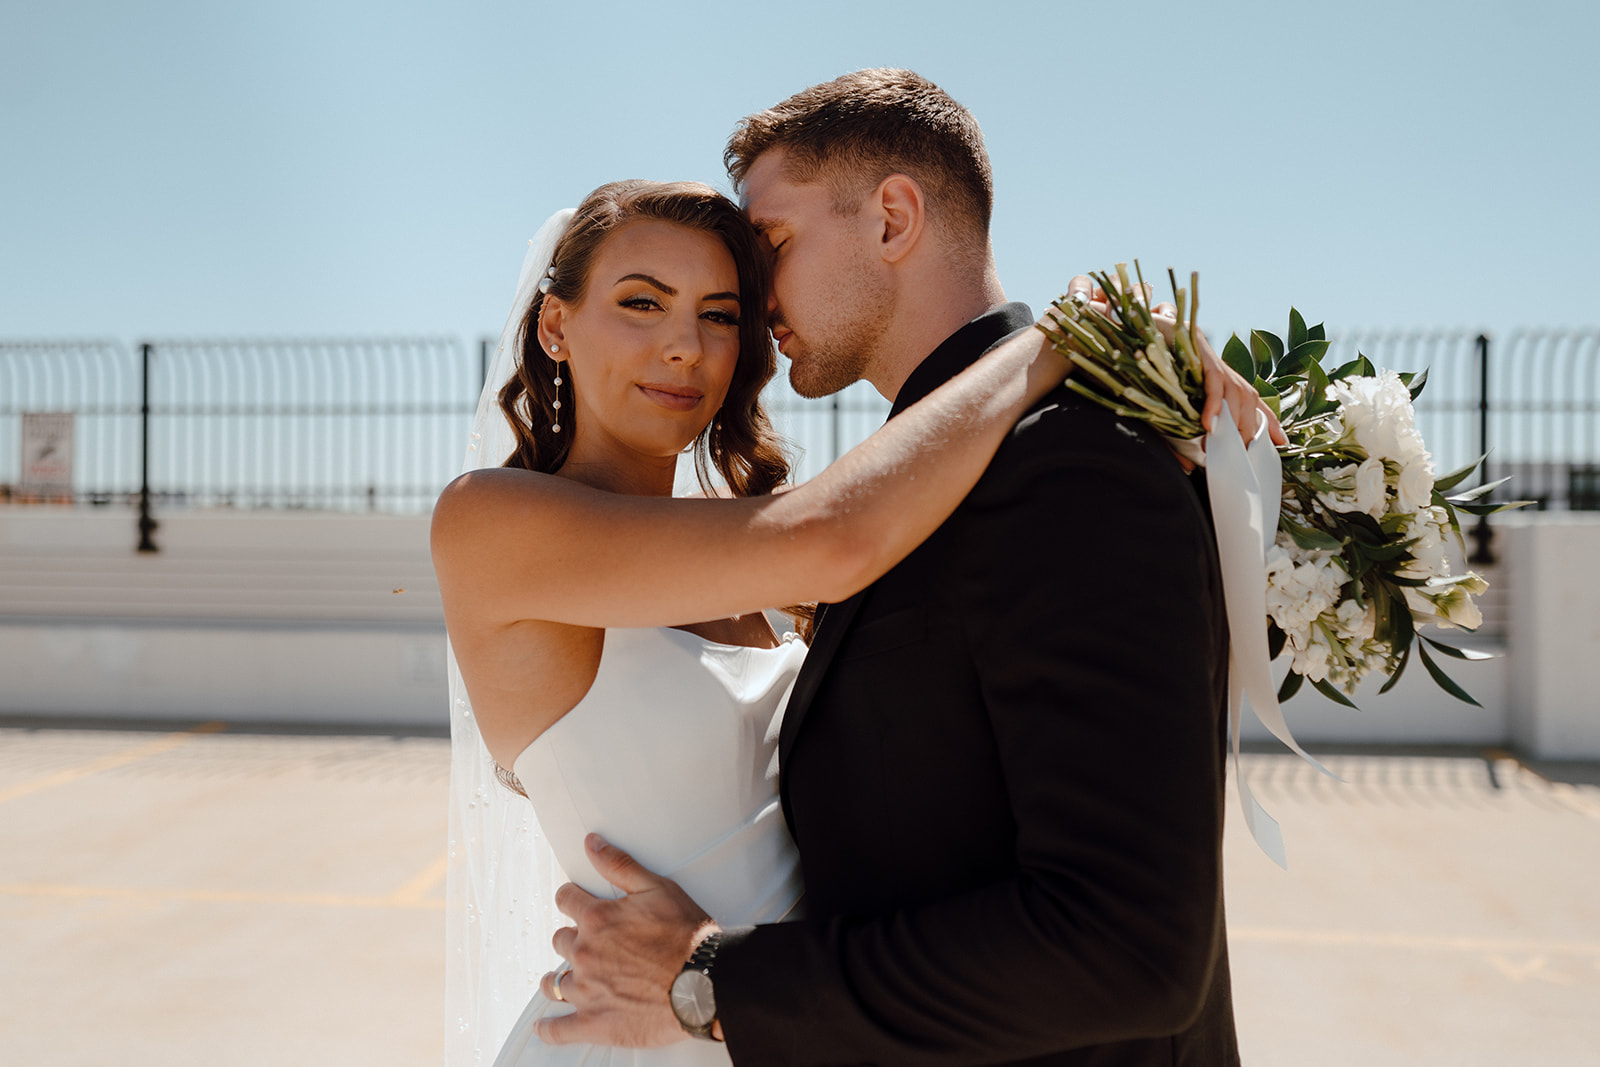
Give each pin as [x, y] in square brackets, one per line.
[672, 397]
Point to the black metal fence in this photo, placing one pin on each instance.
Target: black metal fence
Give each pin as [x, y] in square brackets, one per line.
[380, 423]
[353, 424]
[1530, 400]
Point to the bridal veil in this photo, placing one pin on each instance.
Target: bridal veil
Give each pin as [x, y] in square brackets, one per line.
[502, 878]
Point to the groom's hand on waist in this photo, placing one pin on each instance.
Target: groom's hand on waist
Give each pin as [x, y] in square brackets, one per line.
[624, 954]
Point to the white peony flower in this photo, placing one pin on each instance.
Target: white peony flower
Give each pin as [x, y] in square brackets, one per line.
[1415, 487]
[1377, 412]
[1428, 554]
[1372, 489]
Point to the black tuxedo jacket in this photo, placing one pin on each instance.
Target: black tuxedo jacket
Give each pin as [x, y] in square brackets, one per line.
[1003, 766]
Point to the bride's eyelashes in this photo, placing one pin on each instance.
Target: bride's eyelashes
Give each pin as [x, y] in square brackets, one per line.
[641, 303]
[646, 302]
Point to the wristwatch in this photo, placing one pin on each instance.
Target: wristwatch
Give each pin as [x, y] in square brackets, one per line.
[693, 1001]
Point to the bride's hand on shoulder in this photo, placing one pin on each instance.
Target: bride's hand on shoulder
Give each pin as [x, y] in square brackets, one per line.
[1223, 383]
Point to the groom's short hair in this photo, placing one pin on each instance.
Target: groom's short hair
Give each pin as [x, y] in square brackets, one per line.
[854, 131]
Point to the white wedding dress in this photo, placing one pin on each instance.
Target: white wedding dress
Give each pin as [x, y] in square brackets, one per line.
[670, 755]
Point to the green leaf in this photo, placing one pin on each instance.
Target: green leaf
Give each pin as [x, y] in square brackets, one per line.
[1276, 639]
[1360, 366]
[1473, 494]
[1494, 509]
[1459, 653]
[1362, 523]
[1405, 631]
[1317, 333]
[1297, 329]
[1308, 352]
[1308, 538]
[1267, 350]
[1417, 384]
[1384, 553]
[1237, 356]
[1400, 668]
[1291, 686]
[1345, 370]
[1317, 400]
[1444, 680]
[1446, 482]
[1334, 695]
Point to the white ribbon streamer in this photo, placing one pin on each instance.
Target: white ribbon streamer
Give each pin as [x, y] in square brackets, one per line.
[1246, 488]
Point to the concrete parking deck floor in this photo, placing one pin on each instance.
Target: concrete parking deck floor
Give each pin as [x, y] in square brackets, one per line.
[198, 895]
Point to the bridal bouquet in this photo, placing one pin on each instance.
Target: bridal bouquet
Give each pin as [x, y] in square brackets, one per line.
[1358, 560]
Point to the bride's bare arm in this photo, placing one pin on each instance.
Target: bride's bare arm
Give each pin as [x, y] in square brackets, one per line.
[519, 545]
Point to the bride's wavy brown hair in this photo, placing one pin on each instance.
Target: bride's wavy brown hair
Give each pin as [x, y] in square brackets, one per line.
[740, 443]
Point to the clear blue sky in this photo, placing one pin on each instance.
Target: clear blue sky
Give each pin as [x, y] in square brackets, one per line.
[335, 168]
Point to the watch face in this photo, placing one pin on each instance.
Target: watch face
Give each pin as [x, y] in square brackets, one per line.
[692, 1001]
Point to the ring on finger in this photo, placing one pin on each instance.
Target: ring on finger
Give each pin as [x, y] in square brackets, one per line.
[556, 985]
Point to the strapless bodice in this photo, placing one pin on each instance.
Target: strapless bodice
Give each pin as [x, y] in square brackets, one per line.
[670, 756]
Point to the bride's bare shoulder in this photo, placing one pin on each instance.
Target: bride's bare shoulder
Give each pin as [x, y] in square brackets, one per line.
[498, 499]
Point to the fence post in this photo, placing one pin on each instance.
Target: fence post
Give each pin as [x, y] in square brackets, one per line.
[147, 524]
[483, 362]
[833, 428]
[1482, 535]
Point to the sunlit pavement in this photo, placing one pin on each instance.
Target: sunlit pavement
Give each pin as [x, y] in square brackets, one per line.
[1439, 909]
[221, 898]
[175, 895]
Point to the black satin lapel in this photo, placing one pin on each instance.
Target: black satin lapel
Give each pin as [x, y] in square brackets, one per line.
[836, 620]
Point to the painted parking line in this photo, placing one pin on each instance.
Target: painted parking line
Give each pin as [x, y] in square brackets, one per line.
[116, 759]
[392, 902]
[1425, 942]
[415, 889]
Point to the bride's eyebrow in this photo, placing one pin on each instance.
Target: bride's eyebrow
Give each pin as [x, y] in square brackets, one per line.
[670, 291]
[663, 286]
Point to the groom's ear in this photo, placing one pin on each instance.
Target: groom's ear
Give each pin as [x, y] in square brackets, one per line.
[900, 212]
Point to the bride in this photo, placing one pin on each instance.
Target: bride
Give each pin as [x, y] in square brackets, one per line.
[611, 659]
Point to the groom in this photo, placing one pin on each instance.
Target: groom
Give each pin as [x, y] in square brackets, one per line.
[1003, 761]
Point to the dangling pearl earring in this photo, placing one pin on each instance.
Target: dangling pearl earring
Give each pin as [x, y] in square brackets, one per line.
[555, 427]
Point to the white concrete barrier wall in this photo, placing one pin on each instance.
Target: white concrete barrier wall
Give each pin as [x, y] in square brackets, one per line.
[233, 671]
[289, 617]
[1553, 637]
[248, 616]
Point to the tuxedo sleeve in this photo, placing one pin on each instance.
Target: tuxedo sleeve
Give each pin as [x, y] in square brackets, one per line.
[1088, 586]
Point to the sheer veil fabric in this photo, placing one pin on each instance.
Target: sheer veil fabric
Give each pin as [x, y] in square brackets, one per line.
[502, 873]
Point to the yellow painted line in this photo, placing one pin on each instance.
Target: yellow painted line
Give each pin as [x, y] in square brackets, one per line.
[1427, 942]
[116, 759]
[415, 889]
[218, 896]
